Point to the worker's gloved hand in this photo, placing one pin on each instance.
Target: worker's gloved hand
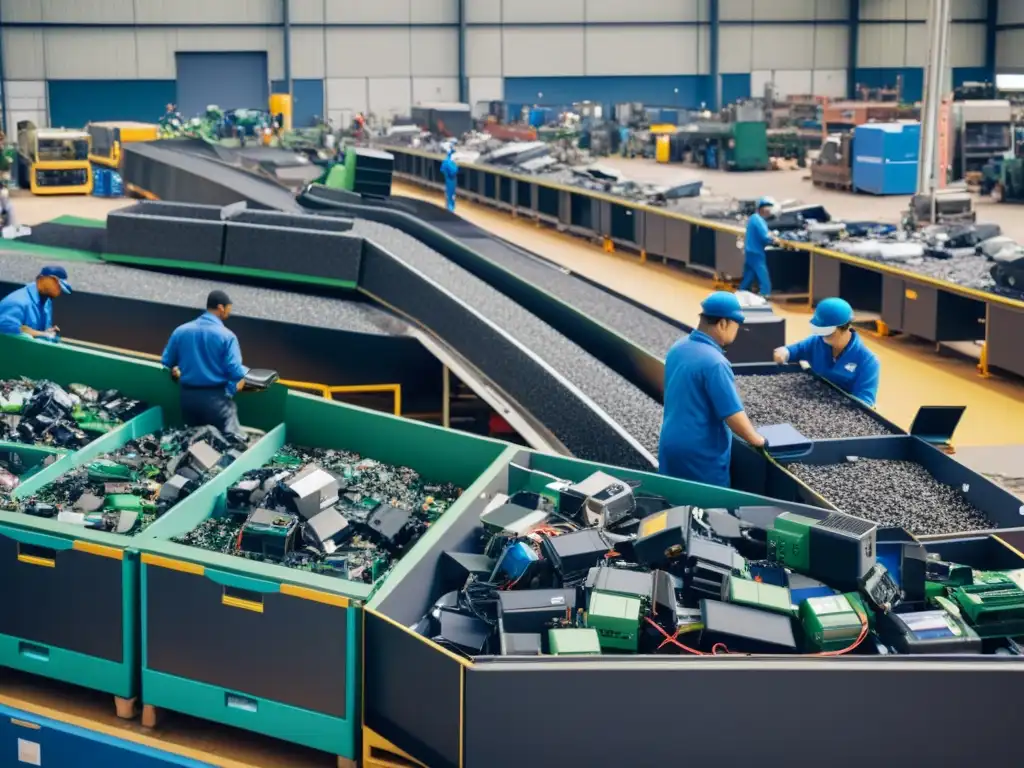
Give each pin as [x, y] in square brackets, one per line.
[781, 355]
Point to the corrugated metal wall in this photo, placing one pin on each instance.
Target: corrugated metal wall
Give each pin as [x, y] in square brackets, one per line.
[893, 41]
[384, 56]
[1010, 42]
[229, 80]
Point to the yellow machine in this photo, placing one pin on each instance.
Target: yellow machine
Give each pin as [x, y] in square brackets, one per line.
[53, 161]
[663, 148]
[281, 104]
[108, 138]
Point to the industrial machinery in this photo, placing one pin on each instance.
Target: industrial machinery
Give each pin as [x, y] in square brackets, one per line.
[979, 132]
[844, 116]
[447, 120]
[1008, 185]
[108, 138]
[740, 146]
[53, 161]
[833, 168]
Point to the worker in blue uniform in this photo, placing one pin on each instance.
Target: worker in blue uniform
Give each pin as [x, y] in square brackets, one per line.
[702, 407]
[836, 352]
[29, 310]
[755, 261]
[205, 359]
[450, 171]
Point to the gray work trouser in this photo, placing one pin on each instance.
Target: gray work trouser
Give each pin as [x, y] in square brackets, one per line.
[201, 406]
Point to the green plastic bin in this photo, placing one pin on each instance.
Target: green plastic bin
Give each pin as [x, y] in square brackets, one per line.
[261, 646]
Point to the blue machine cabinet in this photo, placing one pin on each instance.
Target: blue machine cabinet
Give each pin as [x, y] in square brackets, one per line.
[27, 739]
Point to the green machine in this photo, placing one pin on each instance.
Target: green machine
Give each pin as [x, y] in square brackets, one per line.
[1007, 186]
[728, 146]
[363, 171]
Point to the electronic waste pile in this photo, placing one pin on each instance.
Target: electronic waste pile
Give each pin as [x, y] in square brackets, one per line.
[126, 490]
[598, 567]
[327, 511]
[43, 413]
[812, 406]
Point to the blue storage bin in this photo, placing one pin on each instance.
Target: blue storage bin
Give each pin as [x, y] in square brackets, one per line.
[116, 188]
[885, 158]
[100, 182]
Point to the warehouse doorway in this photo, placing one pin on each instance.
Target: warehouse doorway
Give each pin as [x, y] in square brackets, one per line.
[229, 80]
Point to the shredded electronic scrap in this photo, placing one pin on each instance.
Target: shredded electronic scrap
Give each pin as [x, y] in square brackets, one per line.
[600, 567]
[126, 490]
[326, 511]
[43, 413]
[893, 494]
[816, 409]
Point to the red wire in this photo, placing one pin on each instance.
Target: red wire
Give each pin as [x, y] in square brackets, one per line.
[715, 648]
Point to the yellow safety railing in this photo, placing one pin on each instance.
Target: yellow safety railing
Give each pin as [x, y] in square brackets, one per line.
[350, 389]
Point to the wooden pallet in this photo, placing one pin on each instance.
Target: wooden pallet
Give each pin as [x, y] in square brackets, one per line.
[844, 186]
[152, 717]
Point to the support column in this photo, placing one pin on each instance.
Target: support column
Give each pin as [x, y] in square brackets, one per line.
[716, 80]
[4, 101]
[991, 27]
[287, 28]
[463, 80]
[853, 43]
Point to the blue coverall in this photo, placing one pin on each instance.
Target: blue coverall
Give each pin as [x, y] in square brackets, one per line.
[700, 394]
[755, 264]
[25, 307]
[210, 361]
[855, 371]
[451, 176]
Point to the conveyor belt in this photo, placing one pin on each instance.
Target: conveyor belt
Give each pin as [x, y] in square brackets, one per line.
[191, 171]
[625, 404]
[194, 172]
[156, 287]
[643, 327]
[638, 324]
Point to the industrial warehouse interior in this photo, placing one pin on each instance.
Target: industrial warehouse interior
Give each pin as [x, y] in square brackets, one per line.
[400, 384]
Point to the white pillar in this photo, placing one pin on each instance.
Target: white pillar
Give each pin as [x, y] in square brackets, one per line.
[934, 80]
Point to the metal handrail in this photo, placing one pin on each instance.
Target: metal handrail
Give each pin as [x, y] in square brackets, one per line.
[328, 392]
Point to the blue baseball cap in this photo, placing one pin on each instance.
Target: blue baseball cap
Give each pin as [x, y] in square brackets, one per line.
[765, 202]
[829, 315]
[60, 273]
[723, 304]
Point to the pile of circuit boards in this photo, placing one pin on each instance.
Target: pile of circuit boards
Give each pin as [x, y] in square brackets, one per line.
[598, 567]
[126, 490]
[43, 413]
[325, 511]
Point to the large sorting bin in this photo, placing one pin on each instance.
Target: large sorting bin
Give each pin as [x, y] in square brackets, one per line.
[71, 610]
[425, 706]
[1002, 508]
[284, 658]
[934, 424]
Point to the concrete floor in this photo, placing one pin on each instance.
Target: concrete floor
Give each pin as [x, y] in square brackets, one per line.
[30, 209]
[796, 185]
